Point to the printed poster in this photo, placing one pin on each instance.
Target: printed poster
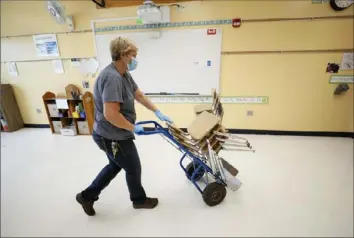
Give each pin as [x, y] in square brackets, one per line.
[46, 45]
[347, 61]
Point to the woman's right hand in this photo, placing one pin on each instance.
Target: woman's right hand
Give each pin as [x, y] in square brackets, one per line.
[138, 129]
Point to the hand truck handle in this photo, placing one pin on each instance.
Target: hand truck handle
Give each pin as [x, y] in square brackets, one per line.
[158, 129]
[143, 133]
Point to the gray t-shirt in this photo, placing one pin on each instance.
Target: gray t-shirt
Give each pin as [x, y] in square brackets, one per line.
[110, 86]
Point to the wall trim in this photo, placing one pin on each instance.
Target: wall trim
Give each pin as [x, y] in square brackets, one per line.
[257, 132]
[209, 22]
[164, 25]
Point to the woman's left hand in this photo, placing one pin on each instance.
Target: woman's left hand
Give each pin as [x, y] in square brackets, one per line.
[162, 117]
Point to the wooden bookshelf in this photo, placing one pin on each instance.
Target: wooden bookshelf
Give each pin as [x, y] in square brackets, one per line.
[68, 118]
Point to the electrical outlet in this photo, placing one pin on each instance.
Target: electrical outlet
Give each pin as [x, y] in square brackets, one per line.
[85, 84]
[249, 113]
[39, 110]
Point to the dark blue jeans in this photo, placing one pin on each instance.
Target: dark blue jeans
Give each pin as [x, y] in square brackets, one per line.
[126, 158]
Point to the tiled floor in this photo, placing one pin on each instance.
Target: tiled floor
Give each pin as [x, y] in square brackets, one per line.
[292, 186]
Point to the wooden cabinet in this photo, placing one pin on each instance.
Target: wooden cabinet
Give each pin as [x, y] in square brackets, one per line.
[11, 119]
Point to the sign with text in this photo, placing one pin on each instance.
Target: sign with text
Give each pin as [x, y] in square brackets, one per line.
[208, 99]
[342, 79]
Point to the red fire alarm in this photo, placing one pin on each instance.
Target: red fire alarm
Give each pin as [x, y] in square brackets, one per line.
[211, 32]
[236, 22]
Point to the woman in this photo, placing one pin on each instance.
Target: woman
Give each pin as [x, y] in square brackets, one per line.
[114, 93]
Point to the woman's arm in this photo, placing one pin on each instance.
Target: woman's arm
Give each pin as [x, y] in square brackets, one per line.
[145, 101]
[111, 111]
[141, 98]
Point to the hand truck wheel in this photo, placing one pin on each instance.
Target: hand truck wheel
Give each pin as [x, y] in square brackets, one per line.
[214, 193]
[190, 170]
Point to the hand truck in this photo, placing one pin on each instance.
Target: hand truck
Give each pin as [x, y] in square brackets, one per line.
[209, 168]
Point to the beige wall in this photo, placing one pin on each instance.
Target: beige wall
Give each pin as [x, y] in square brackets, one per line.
[300, 96]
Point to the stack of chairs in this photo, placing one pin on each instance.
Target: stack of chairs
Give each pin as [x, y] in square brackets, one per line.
[214, 108]
[206, 136]
[208, 126]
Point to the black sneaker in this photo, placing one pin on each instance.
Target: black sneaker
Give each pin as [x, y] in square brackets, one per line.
[86, 205]
[149, 203]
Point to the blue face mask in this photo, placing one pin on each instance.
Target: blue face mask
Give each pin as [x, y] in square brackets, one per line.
[133, 64]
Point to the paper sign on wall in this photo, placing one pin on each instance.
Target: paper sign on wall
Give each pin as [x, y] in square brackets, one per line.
[88, 66]
[347, 61]
[342, 79]
[46, 45]
[320, 1]
[211, 31]
[62, 103]
[58, 66]
[12, 69]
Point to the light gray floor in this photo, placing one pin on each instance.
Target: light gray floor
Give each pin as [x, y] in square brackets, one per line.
[292, 186]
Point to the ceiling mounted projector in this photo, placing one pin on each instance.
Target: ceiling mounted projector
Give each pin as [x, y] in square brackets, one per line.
[150, 13]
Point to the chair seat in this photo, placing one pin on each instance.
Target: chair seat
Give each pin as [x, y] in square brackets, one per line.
[202, 125]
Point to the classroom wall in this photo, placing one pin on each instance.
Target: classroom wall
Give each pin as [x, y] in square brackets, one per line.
[300, 97]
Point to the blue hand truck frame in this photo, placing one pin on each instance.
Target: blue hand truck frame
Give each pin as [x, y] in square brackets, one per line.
[215, 192]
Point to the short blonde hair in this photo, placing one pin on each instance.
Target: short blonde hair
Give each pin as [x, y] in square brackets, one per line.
[121, 45]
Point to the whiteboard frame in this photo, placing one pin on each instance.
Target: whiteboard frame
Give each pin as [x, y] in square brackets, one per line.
[216, 87]
[93, 22]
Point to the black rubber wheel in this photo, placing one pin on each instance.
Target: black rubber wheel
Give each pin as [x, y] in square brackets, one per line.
[190, 170]
[214, 193]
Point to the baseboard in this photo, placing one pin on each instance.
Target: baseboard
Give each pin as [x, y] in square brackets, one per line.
[256, 132]
[36, 126]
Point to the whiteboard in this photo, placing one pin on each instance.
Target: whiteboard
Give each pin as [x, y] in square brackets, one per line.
[171, 61]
